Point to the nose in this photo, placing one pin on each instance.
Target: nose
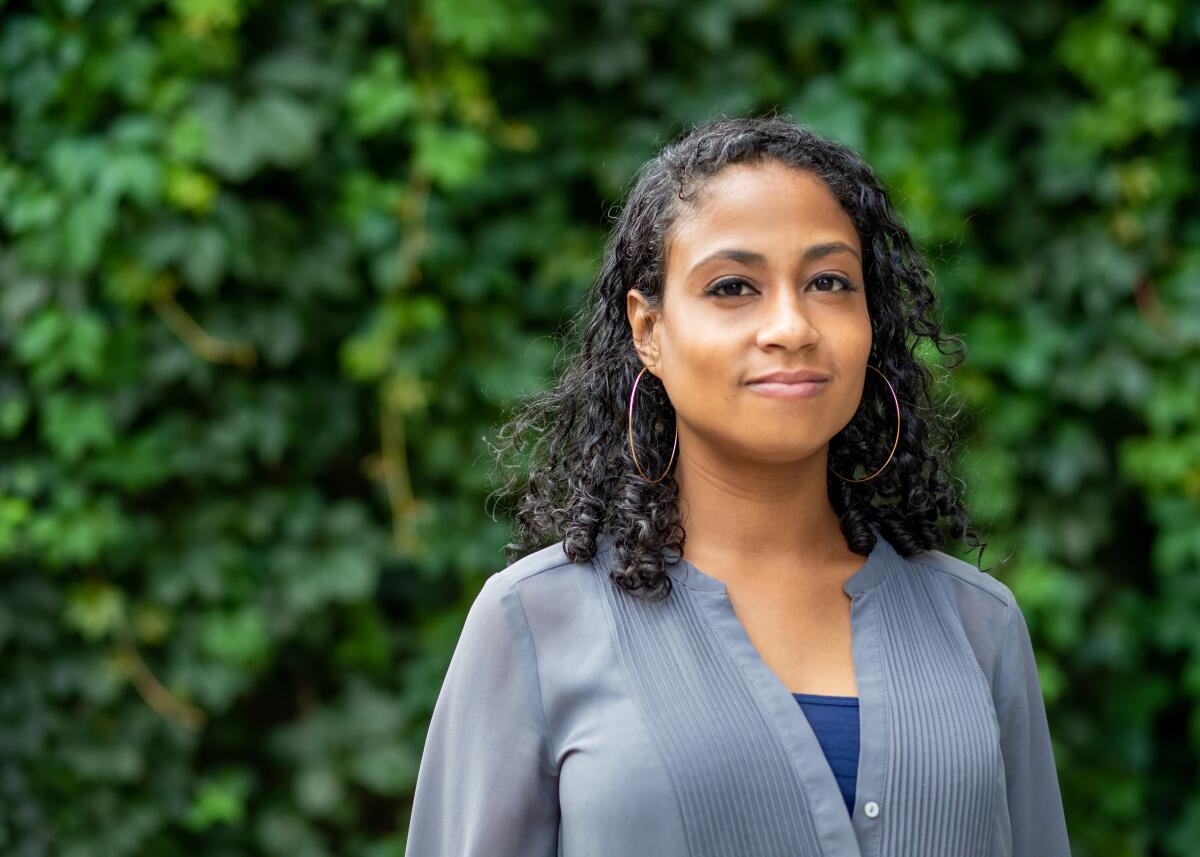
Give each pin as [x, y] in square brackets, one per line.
[785, 321]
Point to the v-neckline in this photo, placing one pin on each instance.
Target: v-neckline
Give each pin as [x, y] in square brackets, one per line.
[865, 577]
[835, 826]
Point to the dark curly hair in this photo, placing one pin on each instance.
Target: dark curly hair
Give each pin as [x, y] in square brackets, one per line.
[581, 480]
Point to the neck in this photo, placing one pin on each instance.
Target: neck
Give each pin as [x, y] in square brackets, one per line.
[757, 521]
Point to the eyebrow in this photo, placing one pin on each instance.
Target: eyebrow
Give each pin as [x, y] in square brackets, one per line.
[748, 257]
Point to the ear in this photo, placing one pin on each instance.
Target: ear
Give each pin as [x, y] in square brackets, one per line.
[643, 325]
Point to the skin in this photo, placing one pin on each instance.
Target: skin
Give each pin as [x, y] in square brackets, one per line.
[752, 469]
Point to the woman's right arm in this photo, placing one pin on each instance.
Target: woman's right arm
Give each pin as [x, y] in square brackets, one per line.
[487, 782]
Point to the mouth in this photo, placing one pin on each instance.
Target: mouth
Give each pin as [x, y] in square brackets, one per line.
[786, 390]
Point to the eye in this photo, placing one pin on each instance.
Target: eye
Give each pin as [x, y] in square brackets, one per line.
[719, 288]
[846, 284]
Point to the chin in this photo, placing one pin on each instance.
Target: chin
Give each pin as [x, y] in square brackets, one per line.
[784, 450]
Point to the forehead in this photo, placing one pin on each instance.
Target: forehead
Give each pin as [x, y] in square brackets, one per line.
[759, 206]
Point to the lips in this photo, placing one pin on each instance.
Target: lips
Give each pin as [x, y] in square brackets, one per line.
[795, 376]
[791, 390]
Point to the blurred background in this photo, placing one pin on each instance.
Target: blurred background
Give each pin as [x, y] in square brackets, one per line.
[271, 271]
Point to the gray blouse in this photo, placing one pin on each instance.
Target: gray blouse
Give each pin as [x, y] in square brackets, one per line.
[576, 720]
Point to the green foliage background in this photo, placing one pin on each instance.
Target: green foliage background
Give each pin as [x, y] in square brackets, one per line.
[269, 271]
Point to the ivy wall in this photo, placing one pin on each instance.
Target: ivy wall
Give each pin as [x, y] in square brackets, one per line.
[270, 271]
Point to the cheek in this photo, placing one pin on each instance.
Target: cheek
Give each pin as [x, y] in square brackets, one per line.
[846, 403]
[700, 367]
[853, 373]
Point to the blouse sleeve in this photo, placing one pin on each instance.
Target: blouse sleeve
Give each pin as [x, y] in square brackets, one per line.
[1035, 807]
[487, 782]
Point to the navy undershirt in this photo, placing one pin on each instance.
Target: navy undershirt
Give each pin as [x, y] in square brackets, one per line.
[834, 719]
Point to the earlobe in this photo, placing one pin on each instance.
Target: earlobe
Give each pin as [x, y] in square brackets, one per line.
[649, 357]
[647, 350]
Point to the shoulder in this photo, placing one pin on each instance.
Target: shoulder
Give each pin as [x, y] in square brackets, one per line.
[547, 606]
[984, 606]
[543, 560]
[957, 573]
[545, 582]
[500, 613]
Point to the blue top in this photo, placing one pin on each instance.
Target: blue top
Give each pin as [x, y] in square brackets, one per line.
[834, 719]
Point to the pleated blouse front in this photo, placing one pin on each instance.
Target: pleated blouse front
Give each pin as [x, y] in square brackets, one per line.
[577, 720]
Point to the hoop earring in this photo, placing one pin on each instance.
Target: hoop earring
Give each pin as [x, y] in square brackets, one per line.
[894, 443]
[674, 446]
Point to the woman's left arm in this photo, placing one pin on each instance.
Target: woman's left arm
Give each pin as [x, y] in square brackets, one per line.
[1035, 807]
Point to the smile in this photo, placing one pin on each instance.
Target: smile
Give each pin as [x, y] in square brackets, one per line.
[798, 390]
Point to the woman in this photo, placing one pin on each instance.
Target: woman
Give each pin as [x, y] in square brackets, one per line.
[745, 375]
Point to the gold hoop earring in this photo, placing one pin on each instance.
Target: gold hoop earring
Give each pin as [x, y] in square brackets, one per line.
[674, 446]
[896, 399]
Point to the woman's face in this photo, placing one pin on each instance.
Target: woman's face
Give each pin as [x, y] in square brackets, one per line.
[764, 274]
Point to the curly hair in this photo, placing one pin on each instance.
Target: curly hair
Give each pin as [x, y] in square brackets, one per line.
[581, 481]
